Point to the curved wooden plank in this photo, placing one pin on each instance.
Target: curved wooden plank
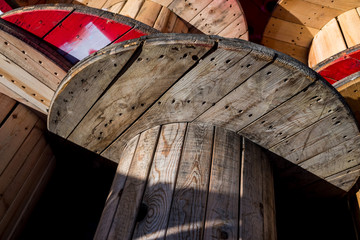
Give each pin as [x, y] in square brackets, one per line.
[268, 97]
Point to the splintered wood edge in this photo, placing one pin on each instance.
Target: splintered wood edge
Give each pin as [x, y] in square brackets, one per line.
[86, 10]
[234, 45]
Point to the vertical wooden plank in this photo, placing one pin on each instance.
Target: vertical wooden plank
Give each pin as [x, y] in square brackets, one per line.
[118, 184]
[6, 104]
[114, 6]
[162, 19]
[223, 200]
[130, 196]
[13, 133]
[161, 183]
[171, 22]
[148, 13]
[189, 204]
[131, 8]
[349, 24]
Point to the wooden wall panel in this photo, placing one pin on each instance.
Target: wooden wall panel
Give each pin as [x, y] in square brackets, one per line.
[26, 163]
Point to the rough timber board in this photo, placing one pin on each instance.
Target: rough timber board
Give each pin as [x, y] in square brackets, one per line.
[194, 91]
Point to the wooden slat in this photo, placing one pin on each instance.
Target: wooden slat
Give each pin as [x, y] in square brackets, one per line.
[222, 210]
[6, 104]
[148, 13]
[131, 8]
[338, 158]
[187, 213]
[235, 29]
[24, 213]
[180, 26]
[161, 183]
[95, 3]
[305, 13]
[118, 184]
[257, 207]
[343, 5]
[8, 92]
[131, 194]
[21, 155]
[292, 116]
[349, 23]
[101, 125]
[189, 9]
[326, 43]
[114, 6]
[27, 188]
[171, 23]
[319, 137]
[213, 78]
[165, 3]
[289, 32]
[225, 12]
[93, 81]
[281, 83]
[13, 133]
[295, 51]
[162, 20]
[346, 179]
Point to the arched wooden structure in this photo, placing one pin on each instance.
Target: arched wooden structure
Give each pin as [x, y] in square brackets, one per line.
[26, 164]
[294, 23]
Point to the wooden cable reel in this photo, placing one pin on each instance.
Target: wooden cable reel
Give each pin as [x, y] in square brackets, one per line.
[181, 82]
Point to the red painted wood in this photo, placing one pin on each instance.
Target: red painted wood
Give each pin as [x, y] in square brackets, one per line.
[80, 35]
[133, 33]
[4, 7]
[343, 65]
[38, 22]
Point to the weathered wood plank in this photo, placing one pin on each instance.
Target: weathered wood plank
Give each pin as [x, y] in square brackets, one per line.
[180, 26]
[6, 104]
[319, 137]
[133, 92]
[189, 9]
[349, 23]
[289, 32]
[217, 16]
[327, 42]
[235, 29]
[118, 184]
[161, 183]
[36, 90]
[346, 179]
[222, 210]
[148, 13]
[131, 8]
[21, 155]
[307, 107]
[305, 13]
[235, 111]
[187, 213]
[27, 187]
[335, 159]
[13, 133]
[198, 90]
[131, 194]
[86, 85]
[162, 20]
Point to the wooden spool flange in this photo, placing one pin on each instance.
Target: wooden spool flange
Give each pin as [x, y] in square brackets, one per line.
[142, 104]
[123, 90]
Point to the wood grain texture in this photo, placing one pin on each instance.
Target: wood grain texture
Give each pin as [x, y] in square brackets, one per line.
[131, 8]
[166, 63]
[6, 104]
[239, 24]
[187, 214]
[131, 194]
[161, 183]
[307, 107]
[148, 13]
[223, 200]
[87, 83]
[349, 22]
[257, 206]
[326, 43]
[118, 184]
